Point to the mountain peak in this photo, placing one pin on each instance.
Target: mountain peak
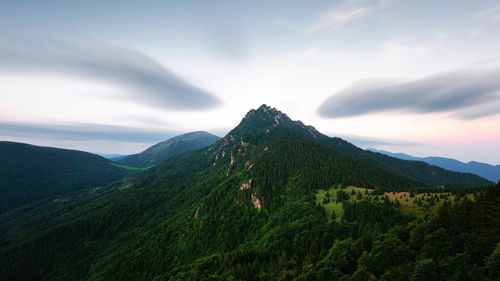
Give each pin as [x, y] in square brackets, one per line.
[266, 113]
[269, 115]
[266, 118]
[264, 107]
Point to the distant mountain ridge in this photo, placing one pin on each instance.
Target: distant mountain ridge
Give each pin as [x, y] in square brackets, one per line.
[29, 173]
[111, 156]
[487, 171]
[166, 149]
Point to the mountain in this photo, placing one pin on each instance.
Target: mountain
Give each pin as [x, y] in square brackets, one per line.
[364, 167]
[166, 149]
[29, 172]
[398, 155]
[112, 156]
[245, 208]
[487, 171]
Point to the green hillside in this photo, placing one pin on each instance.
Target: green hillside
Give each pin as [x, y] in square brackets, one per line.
[166, 149]
[246, 208]
[30, 173]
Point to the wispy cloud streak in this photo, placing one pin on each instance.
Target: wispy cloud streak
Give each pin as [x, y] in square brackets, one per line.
[493, 13]
[137, 76]
[349, 11]
[83, 132]
[364, 141]
[466, 94]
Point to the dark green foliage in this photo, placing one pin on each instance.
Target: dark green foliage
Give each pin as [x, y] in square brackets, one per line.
[29, 173]
[245, 209]
[384, 215]
[344, 255]
[342, 196]
[334, 215]
[425, 269]
[359, 196]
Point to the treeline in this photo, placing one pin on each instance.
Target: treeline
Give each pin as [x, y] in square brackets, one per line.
[460, 243]
[303, 163]
[383, 215]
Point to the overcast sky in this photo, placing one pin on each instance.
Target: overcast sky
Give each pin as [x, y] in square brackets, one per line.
[421, 77]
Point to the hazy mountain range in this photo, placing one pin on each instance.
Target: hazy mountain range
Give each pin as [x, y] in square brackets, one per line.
[487, 171]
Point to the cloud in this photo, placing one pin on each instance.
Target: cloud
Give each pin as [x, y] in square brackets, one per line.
[138, 76]
[82, 132]
[363, 141]
[349, 11]
[466, 94]
[398, 51]
[492, 14]
[224, 30]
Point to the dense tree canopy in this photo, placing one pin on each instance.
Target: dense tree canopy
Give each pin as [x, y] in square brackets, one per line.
[245, 208]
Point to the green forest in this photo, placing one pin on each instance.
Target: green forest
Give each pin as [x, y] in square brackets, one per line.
[267, 202]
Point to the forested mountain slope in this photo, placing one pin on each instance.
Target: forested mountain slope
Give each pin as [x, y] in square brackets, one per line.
[29, 173]
[244, 208]
[422, 174]
[171, 147]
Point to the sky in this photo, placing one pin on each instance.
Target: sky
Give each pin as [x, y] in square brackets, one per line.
[420, 77]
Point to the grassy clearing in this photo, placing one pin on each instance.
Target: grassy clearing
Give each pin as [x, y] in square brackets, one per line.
[419, 204]
[334, 204]
[424, 203]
